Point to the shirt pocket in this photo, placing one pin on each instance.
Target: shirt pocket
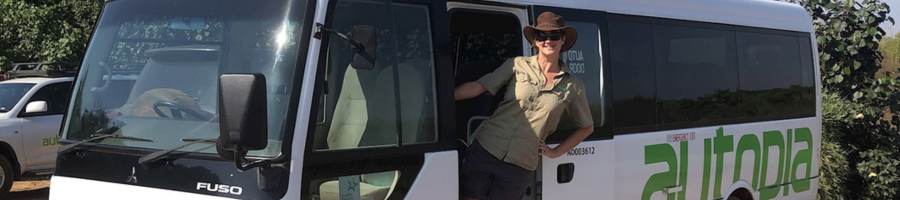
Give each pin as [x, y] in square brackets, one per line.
[523, 78]
[524, 86]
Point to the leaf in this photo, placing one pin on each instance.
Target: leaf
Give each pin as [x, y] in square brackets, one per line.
[856, 65]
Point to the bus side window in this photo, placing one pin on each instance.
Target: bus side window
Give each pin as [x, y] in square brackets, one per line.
[771, 80]
[392, 104]
[633, 74]
[388, 106]
[585, 61]
[706, 74]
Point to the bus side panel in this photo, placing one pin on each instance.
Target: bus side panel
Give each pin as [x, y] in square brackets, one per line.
[704, 163]
[436, 180]
[590, 166]
[65, 187]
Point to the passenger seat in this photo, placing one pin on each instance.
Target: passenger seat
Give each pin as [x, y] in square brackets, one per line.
[365, 116]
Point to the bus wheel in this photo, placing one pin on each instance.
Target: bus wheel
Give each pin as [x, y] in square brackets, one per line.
[6, 176]
[733, 198]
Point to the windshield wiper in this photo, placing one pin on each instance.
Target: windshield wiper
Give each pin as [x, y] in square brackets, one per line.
[159, 155]
[98, 137]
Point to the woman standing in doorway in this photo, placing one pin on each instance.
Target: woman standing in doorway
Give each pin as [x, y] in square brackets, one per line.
[500, 163]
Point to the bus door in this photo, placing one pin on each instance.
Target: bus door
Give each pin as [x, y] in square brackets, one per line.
[587, 171]
[380, 132]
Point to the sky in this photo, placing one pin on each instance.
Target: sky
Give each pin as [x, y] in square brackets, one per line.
[895, 13]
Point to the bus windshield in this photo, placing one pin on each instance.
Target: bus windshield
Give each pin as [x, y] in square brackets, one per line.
[152, 68]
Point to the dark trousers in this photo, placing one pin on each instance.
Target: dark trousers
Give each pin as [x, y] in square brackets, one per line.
[488, 178]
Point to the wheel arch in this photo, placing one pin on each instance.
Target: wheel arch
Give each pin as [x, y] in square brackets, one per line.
[742, 194]
[7, 151]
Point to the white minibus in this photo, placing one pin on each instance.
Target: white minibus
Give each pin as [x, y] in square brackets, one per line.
[353, 99]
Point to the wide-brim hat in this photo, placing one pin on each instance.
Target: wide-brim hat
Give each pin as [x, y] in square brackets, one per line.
[549, 21]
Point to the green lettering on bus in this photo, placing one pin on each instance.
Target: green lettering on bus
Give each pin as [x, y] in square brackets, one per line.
[656, 154]
[720, 144]
[787, 161]
[748, 142]
[707, 158]
[802, 157]
[771, 138]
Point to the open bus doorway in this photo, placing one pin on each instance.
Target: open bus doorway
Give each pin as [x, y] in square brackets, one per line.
[482, 41]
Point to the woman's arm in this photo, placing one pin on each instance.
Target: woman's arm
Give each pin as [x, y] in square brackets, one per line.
[468, 90]
[568, 144]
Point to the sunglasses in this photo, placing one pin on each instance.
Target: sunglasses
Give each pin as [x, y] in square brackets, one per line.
[552, 35]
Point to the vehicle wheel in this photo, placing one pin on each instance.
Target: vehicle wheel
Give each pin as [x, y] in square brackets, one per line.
[6, 176]
[733, 198]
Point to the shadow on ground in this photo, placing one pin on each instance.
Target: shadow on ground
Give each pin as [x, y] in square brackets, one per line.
[29, 190]
[40, 194]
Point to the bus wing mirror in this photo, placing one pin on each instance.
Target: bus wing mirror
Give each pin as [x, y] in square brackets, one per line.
[242, 115]
[363, 41]
[364, 53]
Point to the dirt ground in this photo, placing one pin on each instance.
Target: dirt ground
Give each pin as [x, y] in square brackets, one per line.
[29, 185]
[29, 190]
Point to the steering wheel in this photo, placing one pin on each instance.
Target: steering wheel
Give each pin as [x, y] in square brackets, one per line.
[176, 110]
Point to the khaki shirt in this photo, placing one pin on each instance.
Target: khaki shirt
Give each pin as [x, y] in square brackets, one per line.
[529, 112]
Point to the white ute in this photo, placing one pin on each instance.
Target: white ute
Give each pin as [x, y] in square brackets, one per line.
[31, 111]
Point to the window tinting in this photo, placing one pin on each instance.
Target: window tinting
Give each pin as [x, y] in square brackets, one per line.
[677, 74]
[697, 77]
[770, 74]
[633, 74]
[808, 77]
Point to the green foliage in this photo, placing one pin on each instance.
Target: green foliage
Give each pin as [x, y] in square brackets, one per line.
[834, 166]
[860, 106]
[847, 34]
[45, 30]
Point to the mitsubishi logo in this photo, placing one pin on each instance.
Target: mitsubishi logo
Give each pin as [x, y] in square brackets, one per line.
[132, 178]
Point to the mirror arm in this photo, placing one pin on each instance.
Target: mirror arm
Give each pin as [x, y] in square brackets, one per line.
[240, 160]
[320, 28]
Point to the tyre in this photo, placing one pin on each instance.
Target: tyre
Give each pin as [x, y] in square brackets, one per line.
[6, 176]
[733, 198]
